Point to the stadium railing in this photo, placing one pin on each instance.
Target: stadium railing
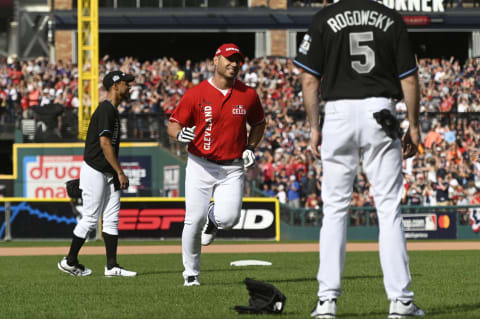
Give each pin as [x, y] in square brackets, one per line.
[361, 216]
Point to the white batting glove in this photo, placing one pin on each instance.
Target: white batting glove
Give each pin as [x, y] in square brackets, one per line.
[248, 157]
[186, 134]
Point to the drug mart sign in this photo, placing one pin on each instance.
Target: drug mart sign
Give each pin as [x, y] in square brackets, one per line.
[45, 175]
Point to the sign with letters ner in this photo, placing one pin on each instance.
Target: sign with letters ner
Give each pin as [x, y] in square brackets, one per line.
[413, 5]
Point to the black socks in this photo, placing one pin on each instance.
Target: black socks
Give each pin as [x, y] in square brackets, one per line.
[72, 257]
[111, 242]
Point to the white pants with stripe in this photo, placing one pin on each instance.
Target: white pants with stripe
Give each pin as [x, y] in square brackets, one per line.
[99, 196]
[203, 181]
[350, 133]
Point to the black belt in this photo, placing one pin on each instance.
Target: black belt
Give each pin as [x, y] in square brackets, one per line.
[226, 162]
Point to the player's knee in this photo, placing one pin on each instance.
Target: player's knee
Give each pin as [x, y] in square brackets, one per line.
[226, 222]
[110, 226]
[84, 226]
[110, 229]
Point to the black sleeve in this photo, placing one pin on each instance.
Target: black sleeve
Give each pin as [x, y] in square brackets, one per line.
[310, 52]
[405, 58]
[105, 120]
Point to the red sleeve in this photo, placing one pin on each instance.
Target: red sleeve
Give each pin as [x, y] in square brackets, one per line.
[255, 115]
[184, 112]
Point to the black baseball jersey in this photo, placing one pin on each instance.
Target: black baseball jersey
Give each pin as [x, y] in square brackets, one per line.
[105, 121]
[359, 49]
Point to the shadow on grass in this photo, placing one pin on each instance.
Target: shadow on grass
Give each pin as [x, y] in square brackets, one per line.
[362, 315]
[454, 309]
[457, 309]
[362, 277]
[294, 280]
[160, 272]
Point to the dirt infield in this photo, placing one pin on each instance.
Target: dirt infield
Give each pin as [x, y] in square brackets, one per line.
[240, 248]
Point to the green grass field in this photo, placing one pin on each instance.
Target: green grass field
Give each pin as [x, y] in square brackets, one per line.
[445, 283]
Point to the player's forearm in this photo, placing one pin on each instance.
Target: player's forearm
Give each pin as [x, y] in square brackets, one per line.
[256, 134]
[172, 129]
[411, 92]
[109, 154]
[310, 87]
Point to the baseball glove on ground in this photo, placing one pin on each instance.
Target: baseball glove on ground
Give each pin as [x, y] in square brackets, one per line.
[73, 188]
[264, 298]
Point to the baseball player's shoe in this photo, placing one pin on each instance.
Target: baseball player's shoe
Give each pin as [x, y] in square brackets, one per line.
[191, 281]
[209, 230]
[325, 309]
[400, 309]
[118, 271]
[75, 270]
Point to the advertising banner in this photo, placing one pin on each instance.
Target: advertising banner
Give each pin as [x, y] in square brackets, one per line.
[45, 175]
[430, 226]
[139, 218]
[164, 219]
[39, 220]
[171, 180]
[139, 172]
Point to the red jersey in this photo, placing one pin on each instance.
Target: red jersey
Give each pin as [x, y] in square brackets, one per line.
[221, 130]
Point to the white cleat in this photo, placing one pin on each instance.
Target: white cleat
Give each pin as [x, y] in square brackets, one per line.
[325, 309]
[75, 270]
[209, 231]
[191, 281]
[399, 309]
[118, 271]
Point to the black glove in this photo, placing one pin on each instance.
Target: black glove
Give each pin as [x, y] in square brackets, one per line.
[389, 123]
[73, 188]
[264, 298]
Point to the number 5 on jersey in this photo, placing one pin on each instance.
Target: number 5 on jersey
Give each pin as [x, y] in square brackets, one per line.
[357, 49]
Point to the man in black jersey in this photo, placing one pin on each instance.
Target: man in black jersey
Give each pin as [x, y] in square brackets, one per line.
[358, 55]
[101, 178]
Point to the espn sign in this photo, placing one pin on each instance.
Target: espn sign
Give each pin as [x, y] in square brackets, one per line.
[150, 219]
[164, 219]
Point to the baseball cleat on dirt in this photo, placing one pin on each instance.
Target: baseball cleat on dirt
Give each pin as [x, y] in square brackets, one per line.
[325, 309]
[209, 230]
[118, 271]
[75, 270]
[399, 309]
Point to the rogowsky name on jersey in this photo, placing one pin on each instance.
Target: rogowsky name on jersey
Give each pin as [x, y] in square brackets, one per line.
[413, 5]
[360, 17]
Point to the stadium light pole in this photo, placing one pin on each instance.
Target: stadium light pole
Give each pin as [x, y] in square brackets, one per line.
[87, 31]
[51, 33]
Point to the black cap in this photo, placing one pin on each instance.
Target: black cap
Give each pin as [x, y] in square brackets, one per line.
[116, 76]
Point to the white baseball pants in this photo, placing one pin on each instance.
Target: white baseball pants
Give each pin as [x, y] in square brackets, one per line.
[99, 196]
[350, 133]
[204, 178]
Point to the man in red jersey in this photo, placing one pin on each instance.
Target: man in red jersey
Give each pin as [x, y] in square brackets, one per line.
[212, 119]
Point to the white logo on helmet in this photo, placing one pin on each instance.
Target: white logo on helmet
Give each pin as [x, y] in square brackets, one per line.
[116, 78]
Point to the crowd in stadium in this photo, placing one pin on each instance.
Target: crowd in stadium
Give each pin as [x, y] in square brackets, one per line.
[446, 173]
